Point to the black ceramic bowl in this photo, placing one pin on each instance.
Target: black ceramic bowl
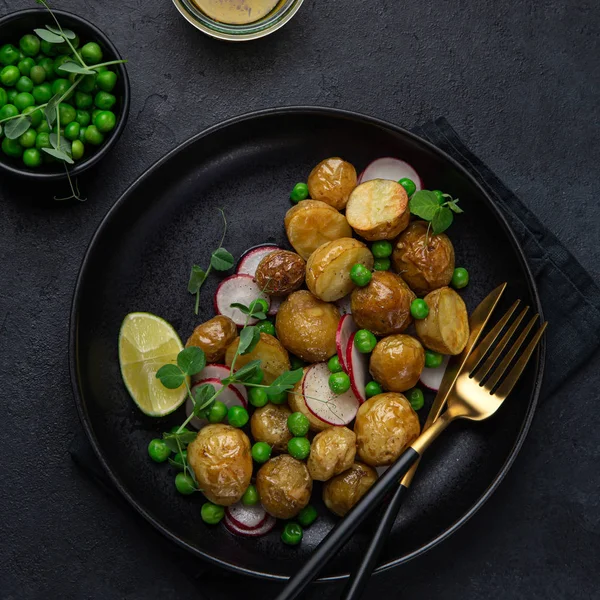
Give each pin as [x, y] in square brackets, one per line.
[17, 24]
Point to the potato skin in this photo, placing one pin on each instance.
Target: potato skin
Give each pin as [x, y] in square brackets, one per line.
[213, 336]
[446, 327]
[306, 326]
[297, 403]
[332, 181]
[273, 356]
[269, 424]
[397, 361]
[385, 425]
[280, 273]
[284, 486]
[383, 306]
[425, 267]
[342, 492]
[331, 453]
[312, 223]
[221, 459]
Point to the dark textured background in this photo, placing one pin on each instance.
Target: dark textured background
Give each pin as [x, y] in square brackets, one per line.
[519, 80]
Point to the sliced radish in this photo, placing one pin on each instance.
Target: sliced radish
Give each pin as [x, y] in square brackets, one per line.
[344, 305]
[240, 289]
[263, 529]
[322, 402]
[246, 517]
[229, 397]
[214, 371]
[391, 168]
[251, 259]
[359, 178]
[275, 304]
[432, 378]
[346, 327]
[358, 369]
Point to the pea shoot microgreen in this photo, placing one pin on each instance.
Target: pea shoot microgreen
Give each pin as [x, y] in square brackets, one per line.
[425, 204]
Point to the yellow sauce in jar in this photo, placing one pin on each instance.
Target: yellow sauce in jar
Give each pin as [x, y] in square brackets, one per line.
[236, 12]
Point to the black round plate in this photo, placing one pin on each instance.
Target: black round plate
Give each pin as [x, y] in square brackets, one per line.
[139, 260]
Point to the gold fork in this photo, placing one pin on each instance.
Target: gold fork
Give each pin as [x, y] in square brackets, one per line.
[478, 393]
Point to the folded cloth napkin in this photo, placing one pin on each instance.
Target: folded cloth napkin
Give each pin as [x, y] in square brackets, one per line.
[573, 334]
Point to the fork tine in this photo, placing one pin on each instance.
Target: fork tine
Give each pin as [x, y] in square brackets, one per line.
[514, 374]
[494, 355]
[492, 382]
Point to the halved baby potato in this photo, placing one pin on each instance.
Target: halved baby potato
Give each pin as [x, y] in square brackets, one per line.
[328, 268]
[446, 327]
[311, 224]
[332, 181]
[378, 209]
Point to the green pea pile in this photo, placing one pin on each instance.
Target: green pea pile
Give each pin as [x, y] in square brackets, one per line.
[30, 77]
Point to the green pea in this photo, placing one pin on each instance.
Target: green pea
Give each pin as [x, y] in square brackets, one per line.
[9, 55]
[82, 134]
[11, 95]
[298, 424]
[35, 114]
[32, 158]
[42, 93]
[59, 62]
[212, 513]
[95, 113]
[339, 382]
[93, 136]
[60, 86]
[158, 450]
[83, 117]
[37, 74]
[91, 53]
[30, 44]
[12, 148]
[416, 398]
[42, 140]
[48, 65]
[257, 397]
[297, 363]
[106, 81]
[333, 364]
[185, 484]
[236, 415]
[360, 275]
[307, 516]
[433, 359]
[250, 497]
[21, 56]
[381, 264]
[3, 97]
[8, 110]
[292, 534]
[278, 398]
[372, 389]
[381, 249]
[258, 376]
[408, 185]
[175, 429]
[263, 326]
[83, 100]
[23, 100]
[299, 447]
[72, 131]
[24, 84]
[460, 278]
[9, 76]
[49, 49]
[179, 460]
[105, 101]
[364, 341]
[261, 452]
[258, 305]
[217, 412]
[439, 196]
[67, 113]
[419, 309]
[87, 84]
[43, 127]
[64, 48]
[299, 192]
[77, 149]
[25, 66]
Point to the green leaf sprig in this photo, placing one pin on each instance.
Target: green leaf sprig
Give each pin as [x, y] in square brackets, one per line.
[425, 204]
[220, 260]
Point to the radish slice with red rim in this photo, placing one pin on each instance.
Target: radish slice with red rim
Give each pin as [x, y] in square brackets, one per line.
[214, 371]
[346, 327]
[358, 369]
[246, 517]
[391, 168]
[344, 305]
[432, 378]
[240, 289]
[230, 397]
[265, 528]
[330, 408]
[251, 258]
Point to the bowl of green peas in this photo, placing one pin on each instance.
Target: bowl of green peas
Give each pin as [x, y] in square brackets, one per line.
[64, 94]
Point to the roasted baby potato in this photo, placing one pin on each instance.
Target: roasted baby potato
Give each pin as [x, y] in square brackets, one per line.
[332, 181]
[269, 424]
[221, 459]
[274, 359]
[378, 209]
[396, 362]
[280, 273]
[328, 268]
[297, 403]
[383, 305]
[284, 486]
[446, 327]
[306, 326]
[332, 452]
[213, 337]
[311, 224]
[425, 261]
[342, 492]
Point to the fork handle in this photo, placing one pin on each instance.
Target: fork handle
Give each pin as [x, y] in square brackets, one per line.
[360, 577]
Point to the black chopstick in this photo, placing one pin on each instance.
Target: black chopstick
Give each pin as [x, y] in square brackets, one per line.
[340, 534]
